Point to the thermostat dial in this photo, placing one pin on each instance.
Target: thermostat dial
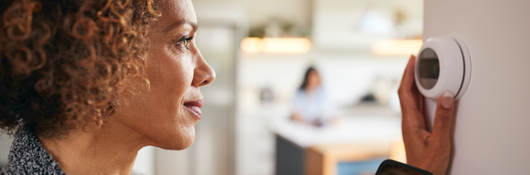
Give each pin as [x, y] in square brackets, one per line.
[443, 64]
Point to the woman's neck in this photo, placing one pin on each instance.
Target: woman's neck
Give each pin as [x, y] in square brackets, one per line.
[311, 90]
[110, 149]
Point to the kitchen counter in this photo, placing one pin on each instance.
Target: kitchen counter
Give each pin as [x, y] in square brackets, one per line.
[358, 136]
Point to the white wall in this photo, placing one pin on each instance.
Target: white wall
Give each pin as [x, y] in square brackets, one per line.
[259, 11]
[145, 161]
[492, 129]
[5, 145]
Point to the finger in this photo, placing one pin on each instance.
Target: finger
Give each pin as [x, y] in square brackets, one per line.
[424, 135]
[419, 97]
[407, 81]
[408, 95]
[444, 121]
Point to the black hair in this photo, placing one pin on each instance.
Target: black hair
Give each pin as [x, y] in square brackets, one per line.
[308, 71]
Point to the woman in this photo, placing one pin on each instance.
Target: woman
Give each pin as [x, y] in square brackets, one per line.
[86, 84]
[310, 104]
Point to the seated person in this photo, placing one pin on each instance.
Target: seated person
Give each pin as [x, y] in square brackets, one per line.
[311, 104]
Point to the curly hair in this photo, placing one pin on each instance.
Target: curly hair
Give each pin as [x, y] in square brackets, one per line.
[67, 63]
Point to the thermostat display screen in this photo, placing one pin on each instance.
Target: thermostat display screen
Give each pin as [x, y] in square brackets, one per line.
[428, 68]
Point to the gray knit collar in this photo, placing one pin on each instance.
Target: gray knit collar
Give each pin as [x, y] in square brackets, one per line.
[28, 156]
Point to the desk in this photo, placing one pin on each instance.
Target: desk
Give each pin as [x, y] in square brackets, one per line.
[305, 150]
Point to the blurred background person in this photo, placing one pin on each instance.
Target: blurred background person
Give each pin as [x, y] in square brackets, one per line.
[311, 104]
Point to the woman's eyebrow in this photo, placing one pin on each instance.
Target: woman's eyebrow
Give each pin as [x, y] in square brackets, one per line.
[179, 23]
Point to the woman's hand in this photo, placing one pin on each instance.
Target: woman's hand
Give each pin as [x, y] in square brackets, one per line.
[424, 149]
[296, 117]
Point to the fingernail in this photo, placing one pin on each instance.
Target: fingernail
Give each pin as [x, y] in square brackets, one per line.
[447, 100]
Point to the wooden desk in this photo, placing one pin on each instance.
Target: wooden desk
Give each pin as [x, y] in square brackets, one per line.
[324, 159]
[302, 150]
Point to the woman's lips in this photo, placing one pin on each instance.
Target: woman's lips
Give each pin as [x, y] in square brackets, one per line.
[195, 108]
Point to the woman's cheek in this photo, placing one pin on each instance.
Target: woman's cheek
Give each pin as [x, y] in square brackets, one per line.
[183, 60]
[186, 70]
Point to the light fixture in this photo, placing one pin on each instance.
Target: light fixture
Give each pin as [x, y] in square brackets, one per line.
[396, 47]
[276, 45]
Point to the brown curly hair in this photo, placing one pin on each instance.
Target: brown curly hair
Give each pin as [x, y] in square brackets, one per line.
[67, 63]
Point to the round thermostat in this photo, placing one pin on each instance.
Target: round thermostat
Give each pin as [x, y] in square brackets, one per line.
[443, 64]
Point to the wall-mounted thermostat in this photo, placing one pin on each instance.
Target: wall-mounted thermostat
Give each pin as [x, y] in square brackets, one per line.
[443, 64]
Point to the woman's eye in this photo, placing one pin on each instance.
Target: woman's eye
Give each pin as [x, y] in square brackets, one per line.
[184, 42]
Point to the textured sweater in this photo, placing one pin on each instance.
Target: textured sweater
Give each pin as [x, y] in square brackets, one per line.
[27, 156]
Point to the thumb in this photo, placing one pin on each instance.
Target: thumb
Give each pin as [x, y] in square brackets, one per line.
[444, 117]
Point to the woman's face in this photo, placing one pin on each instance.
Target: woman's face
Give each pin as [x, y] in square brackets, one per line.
[313, 80]
[166, 114]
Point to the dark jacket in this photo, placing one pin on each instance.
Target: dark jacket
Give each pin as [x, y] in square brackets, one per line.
[27, 156]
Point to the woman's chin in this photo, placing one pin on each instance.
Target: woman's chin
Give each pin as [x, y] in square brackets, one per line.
[178, 141]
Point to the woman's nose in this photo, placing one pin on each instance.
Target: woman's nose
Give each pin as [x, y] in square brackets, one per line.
[204, 74]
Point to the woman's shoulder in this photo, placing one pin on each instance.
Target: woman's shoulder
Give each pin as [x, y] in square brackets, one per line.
[28, 156]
